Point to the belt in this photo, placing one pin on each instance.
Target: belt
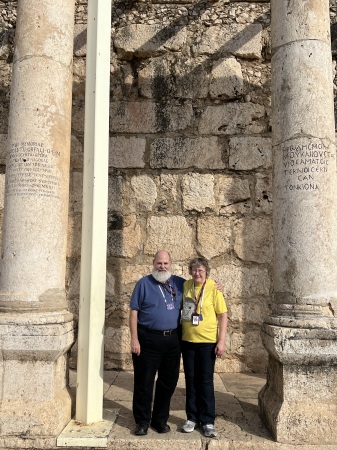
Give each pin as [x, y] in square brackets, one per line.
[161, 332]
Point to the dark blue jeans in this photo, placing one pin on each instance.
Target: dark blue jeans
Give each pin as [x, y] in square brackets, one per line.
[158, 355]
[199, 361]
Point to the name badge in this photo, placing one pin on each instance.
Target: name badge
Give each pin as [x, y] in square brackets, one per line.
[170, 306]
[195, 319]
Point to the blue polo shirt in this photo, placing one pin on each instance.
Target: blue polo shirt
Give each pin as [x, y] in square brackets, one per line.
[151, 300]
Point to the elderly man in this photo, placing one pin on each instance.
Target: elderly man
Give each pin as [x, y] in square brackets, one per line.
[155, 343]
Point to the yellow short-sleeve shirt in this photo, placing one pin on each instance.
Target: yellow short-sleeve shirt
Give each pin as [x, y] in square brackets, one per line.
[211, 303]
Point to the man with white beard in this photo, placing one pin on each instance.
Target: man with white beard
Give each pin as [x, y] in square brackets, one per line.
[155, 343]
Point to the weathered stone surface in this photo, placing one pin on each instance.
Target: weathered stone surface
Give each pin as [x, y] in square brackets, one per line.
[3, 144]
[239, 40]
[233, 118]
[232, 194]
[76, 154]
[198, 192]
[178, 153]
[242, 282]
[155, 80]
[80, 39]
[148, 40]
[117, 340]
[250, 310]
[214, 236]
[263, 193]
[253, 240]
[126, 152]
[76, 192]
[115, 195]
[165, 232]
[250, 344]
[143, 193]
[125, 240]
[248, 153]
[74, 235]
[191, 77]
[149, 117]
[226, 79]
[2, 190]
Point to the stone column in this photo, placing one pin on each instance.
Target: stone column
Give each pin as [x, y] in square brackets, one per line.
[36, 329]
[299, 400]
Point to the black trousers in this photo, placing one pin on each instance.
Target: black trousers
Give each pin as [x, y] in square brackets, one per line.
[158, 355]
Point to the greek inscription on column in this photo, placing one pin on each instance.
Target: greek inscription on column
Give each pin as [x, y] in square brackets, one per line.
[305, 164]
[32, 170]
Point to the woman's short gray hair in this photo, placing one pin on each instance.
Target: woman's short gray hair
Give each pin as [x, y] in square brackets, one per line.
[197, 262]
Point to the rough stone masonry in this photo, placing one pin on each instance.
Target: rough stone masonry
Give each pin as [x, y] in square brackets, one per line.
[190, 155]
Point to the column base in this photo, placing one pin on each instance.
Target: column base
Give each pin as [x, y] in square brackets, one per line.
[35, 400]
[299, 402]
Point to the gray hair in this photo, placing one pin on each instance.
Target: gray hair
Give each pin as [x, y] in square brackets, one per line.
[197, 262]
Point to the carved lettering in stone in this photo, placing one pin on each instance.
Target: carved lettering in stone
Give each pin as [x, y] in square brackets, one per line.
[305, 163]
[31, 170]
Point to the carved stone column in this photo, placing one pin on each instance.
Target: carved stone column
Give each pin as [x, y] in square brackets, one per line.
[36, 329]
[299, 400]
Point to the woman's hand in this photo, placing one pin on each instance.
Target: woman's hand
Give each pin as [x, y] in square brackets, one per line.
[135, 347]
[220, 349]
[219, 285]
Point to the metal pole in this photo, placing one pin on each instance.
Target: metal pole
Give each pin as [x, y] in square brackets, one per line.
[89, 398]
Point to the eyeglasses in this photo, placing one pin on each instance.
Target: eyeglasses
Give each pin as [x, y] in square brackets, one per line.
[198, 271]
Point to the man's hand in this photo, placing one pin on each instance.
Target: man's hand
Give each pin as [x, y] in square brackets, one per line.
[135, 347]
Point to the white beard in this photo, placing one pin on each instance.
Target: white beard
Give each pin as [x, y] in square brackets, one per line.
[161, 276]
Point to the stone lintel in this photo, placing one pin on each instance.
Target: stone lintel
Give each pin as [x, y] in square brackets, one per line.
[298, 403]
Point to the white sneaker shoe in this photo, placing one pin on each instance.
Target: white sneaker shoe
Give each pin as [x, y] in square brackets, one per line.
[188, 426]
[209, 430]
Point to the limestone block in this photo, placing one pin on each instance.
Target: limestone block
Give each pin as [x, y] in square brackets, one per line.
[131, 273]
[80, 39]
[249, 152]
[198, 192]
[143, 193]
[3, 144]
[149, 117]
[252, 310]
[155, 79]
[239, 40]
[180, 152]
[240, 282]
[127, 241]
[263, 193]
[77, 120]
[172, 233]
[299, 22]
[73, 281]
[248, 346]
[214, 236]
[2, 190]
[168, 185]
[76, 192]
[76, 154]
[191, 77]
[253, 240]
[144, 40]
[117, 340]
[226, 79]
[79, 74]
[115, 193]
[74, 235]
[232, 194]
[126, 152]
[233, 118]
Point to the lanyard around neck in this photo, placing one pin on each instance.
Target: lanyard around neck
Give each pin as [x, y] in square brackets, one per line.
[200, 296]
[163, 294]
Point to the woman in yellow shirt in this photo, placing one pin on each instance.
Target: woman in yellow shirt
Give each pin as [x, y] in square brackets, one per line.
[204, 326]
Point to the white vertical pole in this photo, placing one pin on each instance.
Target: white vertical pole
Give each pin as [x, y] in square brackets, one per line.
[89, 397]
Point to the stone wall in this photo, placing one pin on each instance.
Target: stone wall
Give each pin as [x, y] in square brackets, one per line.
[190, 156]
